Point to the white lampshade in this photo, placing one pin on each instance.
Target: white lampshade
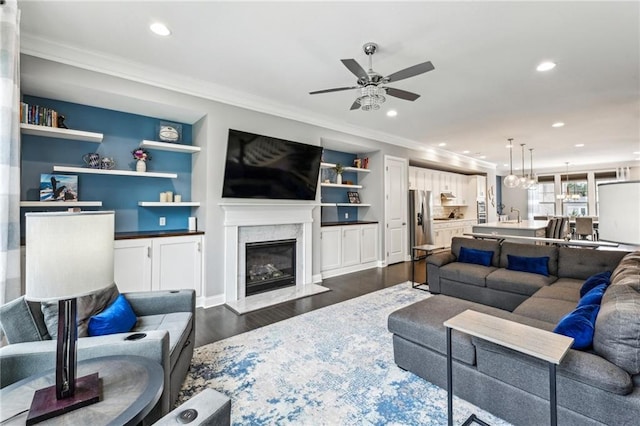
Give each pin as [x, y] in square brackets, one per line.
[68, 254]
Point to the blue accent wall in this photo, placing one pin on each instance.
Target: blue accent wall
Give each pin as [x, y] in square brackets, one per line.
[122, 134]
[338, 195]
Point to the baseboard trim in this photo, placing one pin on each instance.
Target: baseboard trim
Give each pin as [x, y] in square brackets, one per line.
[349, 269]
[208, 302]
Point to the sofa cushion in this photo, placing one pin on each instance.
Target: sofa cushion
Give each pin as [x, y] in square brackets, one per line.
[571, 283]
[478, 257]
[530, 250]
[178, 324]
[617, 335]
[87, 306]
[581, 264]
[18, 323]
[535, 265]
[487, 245]
[117, 318]
[559, 292]
[517, 282]
[579, 324]
[543, 309]
[467, 273]
[594, 281]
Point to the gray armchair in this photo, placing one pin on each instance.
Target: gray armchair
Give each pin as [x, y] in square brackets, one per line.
[166, 317]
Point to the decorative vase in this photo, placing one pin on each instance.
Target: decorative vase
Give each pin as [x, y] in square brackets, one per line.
[339, 178]
[141, 166]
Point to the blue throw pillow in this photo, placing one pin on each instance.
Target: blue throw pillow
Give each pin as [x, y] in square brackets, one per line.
[478, 257]
[116, 318]
[594, 281]
[535, 265]
[579, 324]
[594, 296]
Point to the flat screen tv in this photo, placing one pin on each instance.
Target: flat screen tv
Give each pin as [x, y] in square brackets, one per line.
[265, 167]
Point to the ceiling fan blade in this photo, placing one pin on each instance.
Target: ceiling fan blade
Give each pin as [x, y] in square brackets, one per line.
[337, 89]
[355, 105]
[355, 68]
[410, 72]
[402, 94]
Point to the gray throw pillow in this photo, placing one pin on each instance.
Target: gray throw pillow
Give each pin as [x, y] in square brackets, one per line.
[88, 306]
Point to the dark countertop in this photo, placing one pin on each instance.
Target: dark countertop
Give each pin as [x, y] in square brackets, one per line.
[153, 234]
[356, 222]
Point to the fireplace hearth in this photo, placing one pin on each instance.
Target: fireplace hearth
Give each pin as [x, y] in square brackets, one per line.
[270, 265]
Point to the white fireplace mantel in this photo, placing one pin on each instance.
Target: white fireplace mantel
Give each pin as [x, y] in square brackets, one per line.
[237, 215]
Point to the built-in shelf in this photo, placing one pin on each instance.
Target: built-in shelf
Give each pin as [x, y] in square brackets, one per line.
[346, 169]
[56, 132]
[341, 185]
[345, 205]
[69, 169]
[60, 203]
[167, 204]
[164, 146]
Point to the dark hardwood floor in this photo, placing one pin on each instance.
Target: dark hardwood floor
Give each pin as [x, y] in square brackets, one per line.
[220, 322]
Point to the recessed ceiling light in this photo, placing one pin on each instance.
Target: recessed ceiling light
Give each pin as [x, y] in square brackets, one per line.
[579, 145]
[636, 153]
[482, 157]
[466, 151]
[160, 29]
[508, 146]
[505, 165]
[442, 144]
[392, 113]
[546, 66]
[558, 124]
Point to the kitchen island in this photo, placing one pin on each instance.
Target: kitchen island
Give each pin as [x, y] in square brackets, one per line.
[525, 228]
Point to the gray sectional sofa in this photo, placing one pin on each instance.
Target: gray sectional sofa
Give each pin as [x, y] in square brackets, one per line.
[596, 386]
[166, 317]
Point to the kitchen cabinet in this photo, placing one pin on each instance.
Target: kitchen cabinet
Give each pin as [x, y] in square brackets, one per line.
[162, 263]
[444, 231]
[348, 248]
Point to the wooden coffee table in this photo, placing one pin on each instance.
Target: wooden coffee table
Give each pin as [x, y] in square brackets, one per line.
[541, 344]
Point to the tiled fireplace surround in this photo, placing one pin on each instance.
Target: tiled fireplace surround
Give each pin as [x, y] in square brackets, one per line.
[243, 223]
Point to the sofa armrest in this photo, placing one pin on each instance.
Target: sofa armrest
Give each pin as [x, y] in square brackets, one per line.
[21, 360]
[162, 302]
[441, 259]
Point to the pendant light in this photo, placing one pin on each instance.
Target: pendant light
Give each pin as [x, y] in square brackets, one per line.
[567, 196]
[524, 180]
[511, 180]
[533, 179]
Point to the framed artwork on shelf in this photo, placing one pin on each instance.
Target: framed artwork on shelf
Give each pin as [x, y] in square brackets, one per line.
[58, 187]
[354, 197]
[170, 132]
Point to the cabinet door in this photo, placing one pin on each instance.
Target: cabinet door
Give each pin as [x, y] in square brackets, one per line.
[331, 238]
[420, 179]
[177, 263]
[412, 177]
[482, 188]
[435, 183]
[428, 181]
[132, 264]
[350, 245]
[369, 243]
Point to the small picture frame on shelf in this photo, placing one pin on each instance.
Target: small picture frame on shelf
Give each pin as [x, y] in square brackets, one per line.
[354, 197]
[58, 187]
[170, 132]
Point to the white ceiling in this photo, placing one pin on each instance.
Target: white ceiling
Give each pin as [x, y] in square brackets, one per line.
[484, 88]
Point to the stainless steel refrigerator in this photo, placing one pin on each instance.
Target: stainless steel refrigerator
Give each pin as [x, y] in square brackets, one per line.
[420, 218]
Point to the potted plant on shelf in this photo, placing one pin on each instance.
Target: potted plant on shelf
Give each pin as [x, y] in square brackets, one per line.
[339, 168]
[141, 156]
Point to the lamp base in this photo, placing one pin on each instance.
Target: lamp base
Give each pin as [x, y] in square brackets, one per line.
[45, 405]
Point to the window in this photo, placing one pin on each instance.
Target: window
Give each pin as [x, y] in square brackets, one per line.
[603, 177]
[575, 191]
[542, 200]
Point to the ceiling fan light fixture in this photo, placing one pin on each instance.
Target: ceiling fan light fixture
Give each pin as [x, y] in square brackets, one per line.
[372, 97]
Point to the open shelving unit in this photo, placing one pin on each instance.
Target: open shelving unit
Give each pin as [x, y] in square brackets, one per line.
[174, 147]
[341, 185]
[60, 204]
[345, 205]
[69, 169]
[56, 132]
[346, 169]
[168, 204]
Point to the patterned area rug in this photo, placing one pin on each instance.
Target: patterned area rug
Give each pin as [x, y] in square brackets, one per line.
[332, 366]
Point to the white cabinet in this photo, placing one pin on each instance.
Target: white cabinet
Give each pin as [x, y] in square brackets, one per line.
[162, 263]
[348, 248]
[481, 188]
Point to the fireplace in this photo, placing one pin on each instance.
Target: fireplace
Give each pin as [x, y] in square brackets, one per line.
[269, 265]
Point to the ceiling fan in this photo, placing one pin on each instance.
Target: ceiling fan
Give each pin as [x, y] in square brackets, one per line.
[371, 84]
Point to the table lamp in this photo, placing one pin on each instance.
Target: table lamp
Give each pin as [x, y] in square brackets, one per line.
[68, 255]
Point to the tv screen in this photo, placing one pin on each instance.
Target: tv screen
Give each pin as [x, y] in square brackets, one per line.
[264, 167]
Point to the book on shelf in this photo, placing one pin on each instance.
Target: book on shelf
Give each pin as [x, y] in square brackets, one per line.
[38, 115]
